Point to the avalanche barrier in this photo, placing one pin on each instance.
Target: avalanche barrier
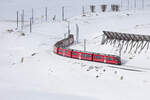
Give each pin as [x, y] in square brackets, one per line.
[126, 40]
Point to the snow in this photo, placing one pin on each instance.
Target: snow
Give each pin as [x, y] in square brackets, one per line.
[29, 70]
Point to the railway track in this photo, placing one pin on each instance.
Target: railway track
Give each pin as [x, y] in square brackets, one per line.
[129, 68]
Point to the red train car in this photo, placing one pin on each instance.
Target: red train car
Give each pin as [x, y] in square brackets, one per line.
[60, 51]
[82, 55]
[60, 48]
[113, 60]
[86, 56]
[110, 59]
[65, 52]
[76, 54]
[99, 58]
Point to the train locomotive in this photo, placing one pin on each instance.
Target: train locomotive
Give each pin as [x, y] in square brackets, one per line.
[60, 48]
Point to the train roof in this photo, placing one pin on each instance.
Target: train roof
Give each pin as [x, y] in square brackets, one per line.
[96, 53]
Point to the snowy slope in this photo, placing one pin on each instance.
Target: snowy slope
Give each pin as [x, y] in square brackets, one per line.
[29, 70]
[8, 8]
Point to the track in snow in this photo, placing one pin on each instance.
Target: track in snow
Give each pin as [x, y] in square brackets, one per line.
[129, 68]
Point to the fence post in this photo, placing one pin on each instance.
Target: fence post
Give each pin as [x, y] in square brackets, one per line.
[143, 4]
[103, 39]
[128, 4]
[46, 14]
[135, 4]
[83, 11]
[32, 16]
[103, 8]
[77, 33]
[17, 19]
[84, 45]
[120, 51]
[30, 25]
[92, 8]
[68, 28]
[63, 14]
[22, 19]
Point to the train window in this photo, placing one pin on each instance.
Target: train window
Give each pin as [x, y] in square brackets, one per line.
[116, 59]
[109, 58]
[83, 55]
[98, 57]
[60, 50]
[86, 55]
[74, 53]
[66, 51]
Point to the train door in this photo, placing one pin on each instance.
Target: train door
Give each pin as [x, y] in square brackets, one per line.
[110, 60]
[63, 52]
[79, 55]
[105, 59]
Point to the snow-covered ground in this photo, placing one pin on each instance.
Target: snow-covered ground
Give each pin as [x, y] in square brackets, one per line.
[29, 70]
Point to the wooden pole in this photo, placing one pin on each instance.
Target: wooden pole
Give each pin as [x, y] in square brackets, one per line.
[83, 11]
[120, 51]
[46, 14]
[32, 16]
[128, 4]
[17, 19]
[126, 46]
[131, 46]
[135, 4]
[77, 33]
[68, 28]
[137, 46]
[103, 39]
[30, 25]
[22, 18]
[63, 14]
[147, 46]
[21, 21]
[143, 4]
[121, 4]
[84, 45]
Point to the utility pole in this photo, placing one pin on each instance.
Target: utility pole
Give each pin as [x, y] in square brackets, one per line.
[17, 19]
[83, 11]
[135, 4]
[121, 4]
[30, 25]
[77, 33]
[68, 28]
[143, 2]
[84, 45]
[128, 4]
[32, 16]
[63, 14]
[22, 19]
[46, 14]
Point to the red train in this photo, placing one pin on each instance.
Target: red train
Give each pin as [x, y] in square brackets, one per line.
[61, 48]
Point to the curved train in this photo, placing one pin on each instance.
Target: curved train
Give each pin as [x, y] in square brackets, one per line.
[60, 48]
